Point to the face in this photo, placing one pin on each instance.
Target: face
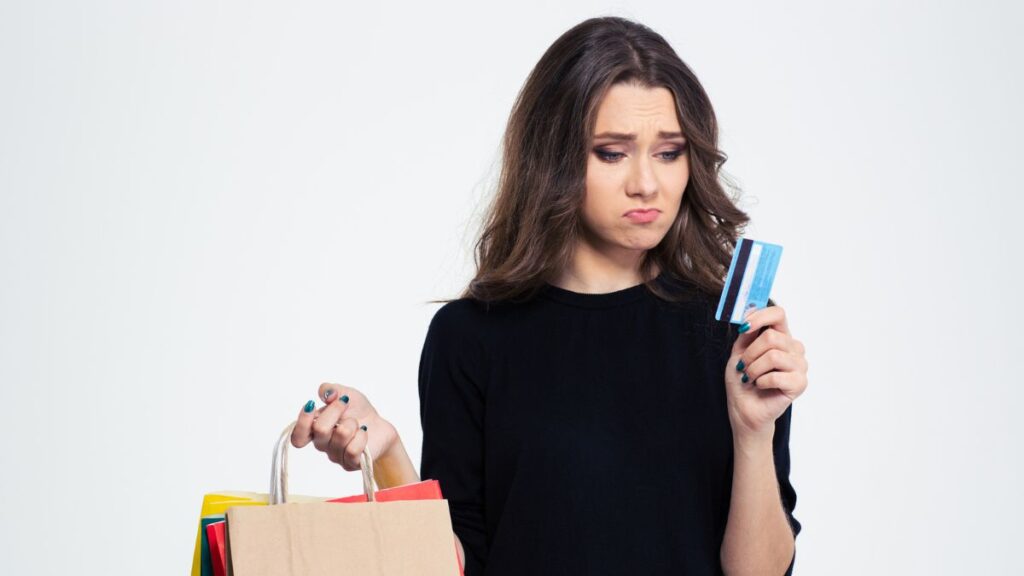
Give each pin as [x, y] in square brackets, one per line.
[637, 160]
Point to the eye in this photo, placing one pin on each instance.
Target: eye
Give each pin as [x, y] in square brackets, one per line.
[613, 157]
[608, 156]
[675, 154]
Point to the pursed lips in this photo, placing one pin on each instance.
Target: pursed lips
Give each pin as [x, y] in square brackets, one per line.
[641, 210]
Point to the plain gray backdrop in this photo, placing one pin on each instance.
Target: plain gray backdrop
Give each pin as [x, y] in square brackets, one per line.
[209, 208]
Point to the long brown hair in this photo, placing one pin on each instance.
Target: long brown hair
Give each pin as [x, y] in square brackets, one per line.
[532, 224]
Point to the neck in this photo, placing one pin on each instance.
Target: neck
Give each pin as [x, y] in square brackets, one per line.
[594, 271]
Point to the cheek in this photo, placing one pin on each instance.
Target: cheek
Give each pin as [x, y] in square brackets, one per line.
[601, 179]
[602, 196]
[676, 187]
[678, 177]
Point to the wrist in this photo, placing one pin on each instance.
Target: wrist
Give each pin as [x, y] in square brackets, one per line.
[393, 467]
[393, 445]
[752, 444]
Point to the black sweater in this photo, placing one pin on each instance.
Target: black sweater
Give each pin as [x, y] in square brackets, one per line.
[585, 433]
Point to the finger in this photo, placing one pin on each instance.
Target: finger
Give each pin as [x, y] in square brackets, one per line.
[792, 384]
[323, 425]
[769, 339]
[302, 433]
[745, 336]
[772, 360]
[329, 392]
[342, 434]
[354, 450]
[799, 347]
[774, 316]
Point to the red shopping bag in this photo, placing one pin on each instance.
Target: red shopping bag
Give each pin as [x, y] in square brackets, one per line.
[423, 490]
[215, 535]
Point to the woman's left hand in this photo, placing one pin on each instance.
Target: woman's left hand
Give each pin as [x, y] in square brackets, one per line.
[776, 374]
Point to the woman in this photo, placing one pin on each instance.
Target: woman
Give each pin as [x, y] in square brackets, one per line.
[581, 407]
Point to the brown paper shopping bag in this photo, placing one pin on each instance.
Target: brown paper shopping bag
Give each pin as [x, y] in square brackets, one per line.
[372, 538]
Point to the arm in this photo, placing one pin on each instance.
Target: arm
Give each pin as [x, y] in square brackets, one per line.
[758, 538]
[760, 533]
[394, 468]
[452, 376]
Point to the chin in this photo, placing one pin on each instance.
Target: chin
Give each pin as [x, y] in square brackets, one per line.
[642, 243]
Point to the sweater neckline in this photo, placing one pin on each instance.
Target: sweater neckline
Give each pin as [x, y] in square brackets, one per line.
[598, 300]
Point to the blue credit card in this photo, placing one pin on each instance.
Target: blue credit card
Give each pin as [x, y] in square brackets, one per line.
[750, 278]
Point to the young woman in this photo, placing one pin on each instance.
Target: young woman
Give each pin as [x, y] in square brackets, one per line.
[581, 407]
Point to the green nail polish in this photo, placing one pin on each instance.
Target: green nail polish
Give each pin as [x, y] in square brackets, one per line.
[309, 407]
[344, 399]
[745, 378]
[744, 327]
[739, 366]
[363, 427]
[327, 394]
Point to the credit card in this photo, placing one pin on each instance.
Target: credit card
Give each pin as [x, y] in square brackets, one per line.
[750, 278]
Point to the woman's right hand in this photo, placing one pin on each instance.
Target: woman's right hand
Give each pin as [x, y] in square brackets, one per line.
[343, 427]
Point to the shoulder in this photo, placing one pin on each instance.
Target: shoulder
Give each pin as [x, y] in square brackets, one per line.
[458, 316]
[473, 316]
[458, 327]
[454, 343]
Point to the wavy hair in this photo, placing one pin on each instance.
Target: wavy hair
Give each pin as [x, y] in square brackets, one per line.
[532, 224]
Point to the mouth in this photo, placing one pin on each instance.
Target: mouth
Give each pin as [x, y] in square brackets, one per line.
[642, 216]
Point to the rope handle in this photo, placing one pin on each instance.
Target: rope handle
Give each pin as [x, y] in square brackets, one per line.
[279, 470]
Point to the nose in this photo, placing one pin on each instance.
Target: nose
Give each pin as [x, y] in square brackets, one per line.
[641, 180]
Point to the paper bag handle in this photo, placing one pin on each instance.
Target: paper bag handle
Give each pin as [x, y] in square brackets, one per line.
[279, 470]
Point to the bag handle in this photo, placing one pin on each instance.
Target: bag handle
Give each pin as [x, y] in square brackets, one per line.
[279, 470]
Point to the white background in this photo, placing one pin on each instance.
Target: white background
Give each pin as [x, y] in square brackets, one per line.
[208, 208]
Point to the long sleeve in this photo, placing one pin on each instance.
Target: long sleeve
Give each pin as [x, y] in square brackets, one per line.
[451, 413]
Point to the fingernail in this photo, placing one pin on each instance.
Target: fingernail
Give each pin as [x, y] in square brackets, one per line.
[744, 327]
[745, 378]
[739, 366]
[309, 407]
[363, 427]
[344, 398]
[328, 394]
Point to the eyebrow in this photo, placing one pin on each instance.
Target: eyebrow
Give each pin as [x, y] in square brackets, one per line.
[631, 137]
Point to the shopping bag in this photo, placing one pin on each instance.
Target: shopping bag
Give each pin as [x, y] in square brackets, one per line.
[215, 535]
[210, 558]
[424, 490]
[398, 538]
[214, 506]
[216, 503]
[377, 532]
[212, 511]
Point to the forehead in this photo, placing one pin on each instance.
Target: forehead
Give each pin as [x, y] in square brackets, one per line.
[631, 108]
